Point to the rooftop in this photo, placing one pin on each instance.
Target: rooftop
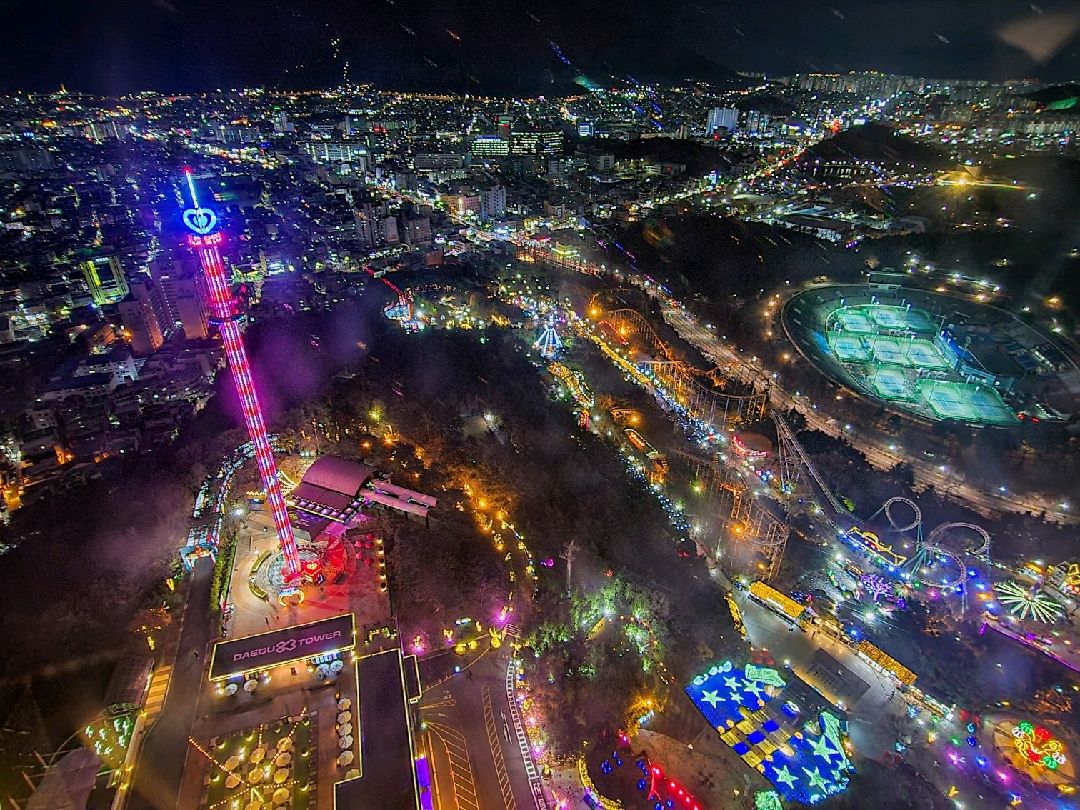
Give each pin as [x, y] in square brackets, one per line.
[338, 475]
[386, 756]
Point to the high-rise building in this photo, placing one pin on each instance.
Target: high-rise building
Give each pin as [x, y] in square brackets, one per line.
[417, 230]
[603, 162]
[281, 122]
[367, 229]
[32, 159]
[490, 146]
[238, 133]
[105, 278]
[428, 161]
[722, 118]
[493, 203]
[352, 152]
[142, 315]
[503, 125]
[181, 289]
[537, 141]
[551, 142]
[462, 204]
[390, 230]
[355, 124]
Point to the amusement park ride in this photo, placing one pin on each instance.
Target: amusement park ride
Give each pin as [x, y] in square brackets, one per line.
[749, 522]
[400, 310]
[942, 562]
[721, 397]
[549, 344]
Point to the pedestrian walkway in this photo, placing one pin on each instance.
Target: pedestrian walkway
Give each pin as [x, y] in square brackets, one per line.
[160, 765]
[155, 694]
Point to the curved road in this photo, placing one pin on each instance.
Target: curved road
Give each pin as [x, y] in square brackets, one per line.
[926, 473]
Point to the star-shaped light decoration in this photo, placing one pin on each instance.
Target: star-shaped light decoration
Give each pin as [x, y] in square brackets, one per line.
[732, 683]
[752, 688]
[815, 779]
[785, 776]
[710, 696]
[821, 747]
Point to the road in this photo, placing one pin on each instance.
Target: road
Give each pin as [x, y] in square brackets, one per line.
[926, 473]
[161, 761]
[478, 761]
[870, 714]
[879, 719]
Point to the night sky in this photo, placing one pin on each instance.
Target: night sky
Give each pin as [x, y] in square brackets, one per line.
[119, 46]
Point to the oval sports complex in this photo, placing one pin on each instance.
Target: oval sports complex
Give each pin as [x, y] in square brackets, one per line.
[934, 356]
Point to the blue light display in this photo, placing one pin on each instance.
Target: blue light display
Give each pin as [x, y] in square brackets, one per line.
[806, 762]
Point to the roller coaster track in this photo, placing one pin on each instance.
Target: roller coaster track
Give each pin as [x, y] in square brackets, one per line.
[709, 403]
[928, 551]
[625, 322]
[743, 517]
[721, 401]
[789, 444]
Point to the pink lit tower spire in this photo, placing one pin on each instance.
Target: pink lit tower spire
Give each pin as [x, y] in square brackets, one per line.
[206, 240]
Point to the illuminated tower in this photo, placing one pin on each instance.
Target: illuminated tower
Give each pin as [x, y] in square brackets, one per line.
[206, 239]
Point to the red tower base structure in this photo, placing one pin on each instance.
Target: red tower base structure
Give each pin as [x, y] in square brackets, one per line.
[206, 244]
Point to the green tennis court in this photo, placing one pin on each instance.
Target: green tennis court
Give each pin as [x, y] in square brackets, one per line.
[991, 407]
[925, 354]
[890, 383]
[848, 348]
[889, 348]
[854, 319]
[900, 318]
[971, 403]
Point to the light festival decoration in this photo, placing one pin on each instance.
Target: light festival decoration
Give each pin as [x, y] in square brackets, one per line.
[548, 343]
[1070, 577]
[206, 242]
[876, 586]
[1038, 745]
[803, 756]
[658, 789]
[1023, 602]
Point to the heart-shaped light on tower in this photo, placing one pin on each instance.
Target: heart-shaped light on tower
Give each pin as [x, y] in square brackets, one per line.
[200, 220]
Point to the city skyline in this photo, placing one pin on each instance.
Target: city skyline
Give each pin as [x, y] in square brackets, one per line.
[506, 420]
[118, 48]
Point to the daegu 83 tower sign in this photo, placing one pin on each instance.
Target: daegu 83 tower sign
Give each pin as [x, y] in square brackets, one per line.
[206, 239]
